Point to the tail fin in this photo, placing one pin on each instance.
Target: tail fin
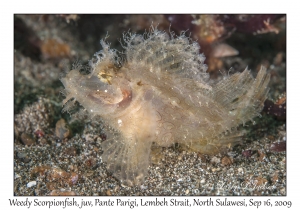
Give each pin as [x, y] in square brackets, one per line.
[242, 95]
[128, 160]
[241, 98]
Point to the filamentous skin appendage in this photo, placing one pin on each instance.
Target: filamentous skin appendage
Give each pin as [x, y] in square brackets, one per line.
[159, 94]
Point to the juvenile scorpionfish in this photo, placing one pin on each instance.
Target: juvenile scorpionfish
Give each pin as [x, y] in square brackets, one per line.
[159, 94]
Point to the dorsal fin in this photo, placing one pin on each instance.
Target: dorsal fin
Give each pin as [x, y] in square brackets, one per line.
[163, 53]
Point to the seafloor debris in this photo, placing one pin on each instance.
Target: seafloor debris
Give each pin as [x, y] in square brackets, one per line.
[56, 177]
[277, 108]
[32, 120]
[278, 146]
[62, 129]
[226, 161]
[53, 48]
[27, 139]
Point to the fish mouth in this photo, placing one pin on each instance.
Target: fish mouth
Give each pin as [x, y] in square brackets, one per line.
[127, 97]
[105, 99]
[114, 94]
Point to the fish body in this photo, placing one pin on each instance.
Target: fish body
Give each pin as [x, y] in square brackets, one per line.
[160, 95]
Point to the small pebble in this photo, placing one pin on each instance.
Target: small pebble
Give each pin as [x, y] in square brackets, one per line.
[89, 137]
[108, 193]
[31, 184]
[143, 187]
[215, 160]
[240, 170]
[27, 139]
[226, 161]
[61, 129]
[215, 169]
[247, 153]
[21, 155]
[73, 178]
[278, 146]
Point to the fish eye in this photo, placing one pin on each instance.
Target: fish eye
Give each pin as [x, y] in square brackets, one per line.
[105, 77]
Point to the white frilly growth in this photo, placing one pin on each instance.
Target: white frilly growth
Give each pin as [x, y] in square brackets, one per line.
[106, 55]
[162, 52]
[159, 51]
